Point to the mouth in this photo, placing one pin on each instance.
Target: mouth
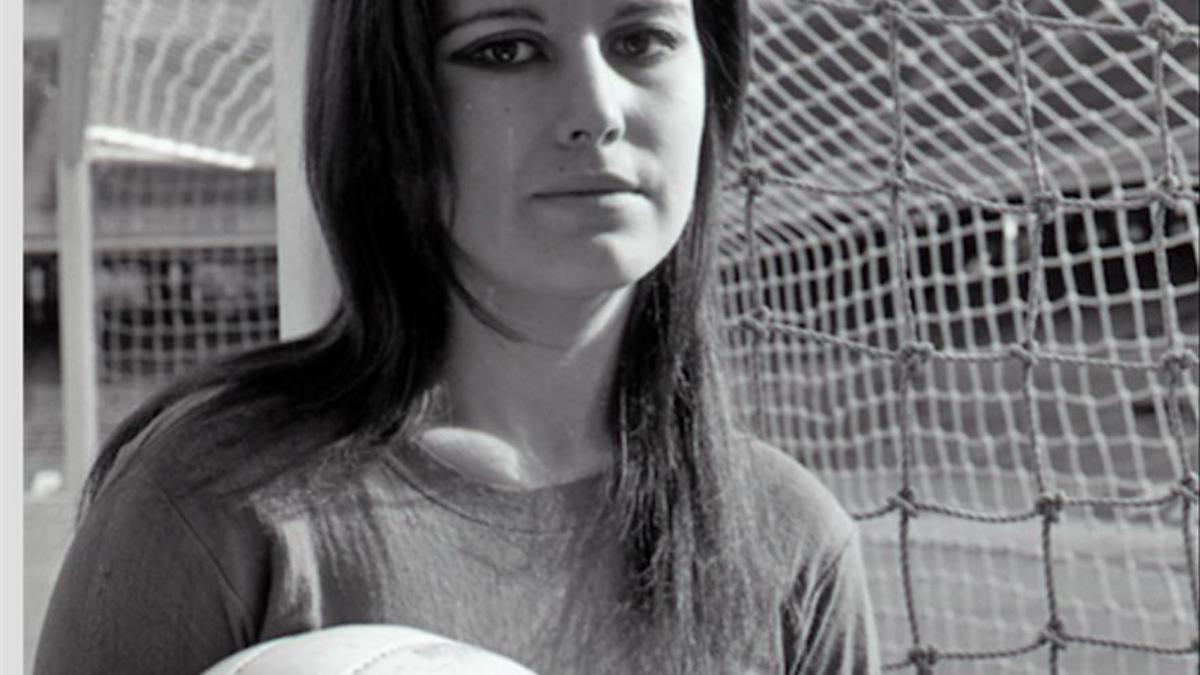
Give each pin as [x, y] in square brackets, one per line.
[589, 187]
[591, 201]
[590, 198]
[585, 193]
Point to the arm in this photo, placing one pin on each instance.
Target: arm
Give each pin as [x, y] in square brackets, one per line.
[139, 592]
[828, 621]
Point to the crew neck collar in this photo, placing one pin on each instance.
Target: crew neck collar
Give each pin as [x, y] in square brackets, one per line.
[555, 508]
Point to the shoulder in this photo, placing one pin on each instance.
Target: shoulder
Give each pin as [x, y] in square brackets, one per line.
[211, 488]
[199, 450]
[211, 481]
[183, 477]
[795, 506]
[138, 558]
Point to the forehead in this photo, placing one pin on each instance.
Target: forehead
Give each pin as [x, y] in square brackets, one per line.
[452, 11]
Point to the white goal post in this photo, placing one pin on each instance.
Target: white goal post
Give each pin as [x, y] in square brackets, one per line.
[77, 344]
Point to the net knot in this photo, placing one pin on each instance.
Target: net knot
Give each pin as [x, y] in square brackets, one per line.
[1022, 354]
[924, 658]
[1049, 506]
[886, 8]
[904, 501]
[1166, 193]
[897, 178]
[758, 321]
[1161, 28]
[753, 179]
[1189, 487]
[1174, 361]
[1045, 206]
[1012, 17]
[1054, 634]
[912, 357]
[762, 314]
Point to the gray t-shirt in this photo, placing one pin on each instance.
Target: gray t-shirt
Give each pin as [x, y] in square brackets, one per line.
[164, 576]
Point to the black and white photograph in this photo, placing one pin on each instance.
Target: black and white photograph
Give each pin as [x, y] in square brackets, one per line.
[609, 337]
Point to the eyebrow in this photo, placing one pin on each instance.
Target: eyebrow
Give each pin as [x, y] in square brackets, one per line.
[491, 15]
[631, 9]
[652, 7]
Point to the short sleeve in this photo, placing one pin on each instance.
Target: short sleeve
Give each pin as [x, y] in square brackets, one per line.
[139, 592]
[828, 622]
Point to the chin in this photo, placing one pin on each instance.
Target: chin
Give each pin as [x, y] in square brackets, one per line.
[614, 268]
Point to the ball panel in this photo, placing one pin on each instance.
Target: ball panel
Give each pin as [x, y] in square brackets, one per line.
[366, 649]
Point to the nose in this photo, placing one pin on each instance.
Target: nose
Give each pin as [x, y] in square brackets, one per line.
[591, 114]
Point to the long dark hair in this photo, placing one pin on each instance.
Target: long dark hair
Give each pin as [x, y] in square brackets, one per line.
[377, 166]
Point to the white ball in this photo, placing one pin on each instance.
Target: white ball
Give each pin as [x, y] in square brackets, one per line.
[366, 649]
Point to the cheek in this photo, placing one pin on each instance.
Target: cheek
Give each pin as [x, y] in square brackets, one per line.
[484, 122]
[680, 128]
[484, 153]
[482, 146]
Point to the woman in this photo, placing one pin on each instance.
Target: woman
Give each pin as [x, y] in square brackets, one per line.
[512, 432]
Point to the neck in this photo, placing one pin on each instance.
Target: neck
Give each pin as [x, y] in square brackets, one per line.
[530, 408]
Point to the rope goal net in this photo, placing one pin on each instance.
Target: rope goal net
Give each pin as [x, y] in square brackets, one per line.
[961, 281]
[181, 140]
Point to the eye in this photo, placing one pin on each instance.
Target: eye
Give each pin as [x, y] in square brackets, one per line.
[646, 44]
[501, 52]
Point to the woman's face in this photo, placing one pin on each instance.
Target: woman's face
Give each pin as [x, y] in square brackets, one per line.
[575, 128]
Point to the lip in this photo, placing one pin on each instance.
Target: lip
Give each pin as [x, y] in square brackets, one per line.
[587, 185]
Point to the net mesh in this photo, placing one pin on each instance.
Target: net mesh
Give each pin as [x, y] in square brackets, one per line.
[960, 273]
[181, 139]
[184, 80]
[961, 279]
